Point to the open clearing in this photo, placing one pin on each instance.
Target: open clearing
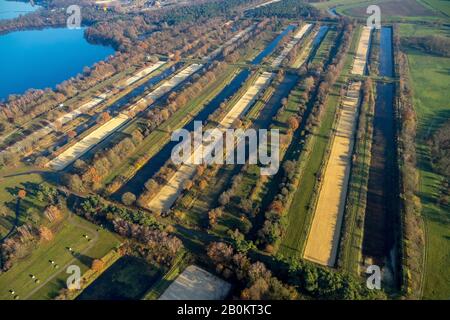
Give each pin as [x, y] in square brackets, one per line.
[194, 283]
[323, 239]
[401, 8]
[360, 62]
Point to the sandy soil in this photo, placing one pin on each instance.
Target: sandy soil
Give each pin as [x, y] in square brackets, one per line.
[144, 72]
[164, 199]
[82, 146]
[323, 238]
[235, 38]
[194, 283]
[295, 39]
[166, 86]
[359, 64]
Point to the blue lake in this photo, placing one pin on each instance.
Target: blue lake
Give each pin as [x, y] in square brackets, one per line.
[13, 9]
[44, 58]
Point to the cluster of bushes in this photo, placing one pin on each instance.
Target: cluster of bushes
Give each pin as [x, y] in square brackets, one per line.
[151, 239]
[413, 228]
[437, 45]
[255, 281]
[88, 176]
[321, 282]
[440, 150]
[281, 279]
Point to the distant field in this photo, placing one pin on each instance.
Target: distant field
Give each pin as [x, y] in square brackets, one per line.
[400, 8]
[334, 3]
[440, 5]
[430, 80]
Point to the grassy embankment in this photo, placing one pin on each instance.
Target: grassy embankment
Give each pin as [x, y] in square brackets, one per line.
[353, 228]
[163, 283]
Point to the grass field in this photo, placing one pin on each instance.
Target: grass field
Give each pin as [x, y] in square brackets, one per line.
[38, 264]
[324, 47]
[128, 278]
[403, 10]
[441, 5]
[67, 233]
[431, 97]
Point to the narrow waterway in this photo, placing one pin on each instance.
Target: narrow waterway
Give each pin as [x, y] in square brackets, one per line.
[323, 30]
[381, 217]
[136, 184]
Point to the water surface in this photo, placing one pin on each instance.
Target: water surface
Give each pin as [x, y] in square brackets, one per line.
[13, 9]
[44, 58]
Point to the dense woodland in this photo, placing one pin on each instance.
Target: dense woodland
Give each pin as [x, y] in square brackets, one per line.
[440, 150]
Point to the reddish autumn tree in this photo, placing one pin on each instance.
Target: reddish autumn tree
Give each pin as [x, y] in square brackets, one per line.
[97, 265]
[22, 194]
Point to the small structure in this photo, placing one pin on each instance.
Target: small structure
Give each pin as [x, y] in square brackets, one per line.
[194, 283]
